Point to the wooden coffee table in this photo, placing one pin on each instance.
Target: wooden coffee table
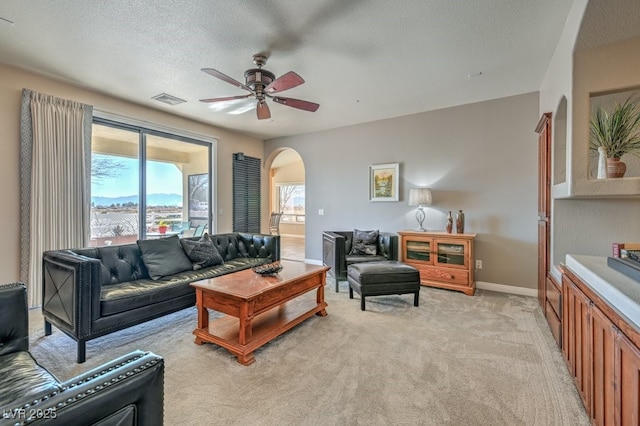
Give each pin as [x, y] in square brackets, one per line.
[258, 308]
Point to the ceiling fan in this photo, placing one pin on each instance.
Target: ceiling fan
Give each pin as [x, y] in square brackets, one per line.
[263, 85]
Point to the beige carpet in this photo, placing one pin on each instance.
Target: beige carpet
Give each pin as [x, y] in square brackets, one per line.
[455, 360]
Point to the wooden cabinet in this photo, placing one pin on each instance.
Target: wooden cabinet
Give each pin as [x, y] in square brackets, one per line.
[576, 339]
[601, 350]
[553, 308]
[544, 204]
[627, 385]
[444, 260]
[548, 288]
[603, 336]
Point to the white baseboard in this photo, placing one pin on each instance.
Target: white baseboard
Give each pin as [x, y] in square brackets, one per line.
[501, 288]
[531, 292]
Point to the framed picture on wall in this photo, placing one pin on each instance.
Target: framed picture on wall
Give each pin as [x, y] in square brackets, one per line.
[383, 182]
[198, 197]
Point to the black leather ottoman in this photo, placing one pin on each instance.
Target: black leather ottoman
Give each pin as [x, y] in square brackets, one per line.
[383, 278]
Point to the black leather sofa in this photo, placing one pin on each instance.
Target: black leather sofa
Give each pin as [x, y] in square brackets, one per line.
[127, 390]
[336, 249]
[91, 292]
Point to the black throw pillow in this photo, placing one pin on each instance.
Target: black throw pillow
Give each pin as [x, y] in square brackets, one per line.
[202, 252]
[364, 242]
[164, 256]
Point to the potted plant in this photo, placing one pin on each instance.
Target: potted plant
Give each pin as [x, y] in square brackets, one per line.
[617, 133]
[162, 227]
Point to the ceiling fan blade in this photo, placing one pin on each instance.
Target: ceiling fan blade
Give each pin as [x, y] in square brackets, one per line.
[263, 111]
[297, 103]
[228, 98]
[284, 82]
[224, 77]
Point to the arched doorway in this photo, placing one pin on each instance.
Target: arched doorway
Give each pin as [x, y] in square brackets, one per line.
[287, 189]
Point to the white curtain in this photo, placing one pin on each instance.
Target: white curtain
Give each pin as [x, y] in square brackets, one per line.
[55, 173]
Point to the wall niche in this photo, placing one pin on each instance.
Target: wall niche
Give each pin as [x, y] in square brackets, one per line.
[608, 101]
[560, 143]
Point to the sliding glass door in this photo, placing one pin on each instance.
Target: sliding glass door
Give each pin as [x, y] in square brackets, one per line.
[147, 184]
[115, 185]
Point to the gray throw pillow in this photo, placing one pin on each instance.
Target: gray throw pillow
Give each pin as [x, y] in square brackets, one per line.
[164, 256]
[202, 252]
[364, 242]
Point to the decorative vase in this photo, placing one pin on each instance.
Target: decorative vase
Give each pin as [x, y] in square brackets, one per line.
[602, 163]
[460, 222]
[615, 168]
[449, 222]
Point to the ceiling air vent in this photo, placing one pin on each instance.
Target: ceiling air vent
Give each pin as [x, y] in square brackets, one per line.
[168, 99]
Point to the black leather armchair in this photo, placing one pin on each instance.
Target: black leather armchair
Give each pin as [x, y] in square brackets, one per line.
[336, 246]
[127, 390]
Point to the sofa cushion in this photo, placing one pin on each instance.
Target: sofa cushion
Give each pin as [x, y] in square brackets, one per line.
[164, 257]
[24, 379]
[359, 258]
[123, 297]
[202, 252]
[364, 242]
[383, 273]
[118, 263]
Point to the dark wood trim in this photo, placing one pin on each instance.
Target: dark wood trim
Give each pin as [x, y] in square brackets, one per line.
[544, 206]
[544, 119]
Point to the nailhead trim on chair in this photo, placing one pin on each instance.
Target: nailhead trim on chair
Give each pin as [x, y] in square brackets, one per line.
[97, 388]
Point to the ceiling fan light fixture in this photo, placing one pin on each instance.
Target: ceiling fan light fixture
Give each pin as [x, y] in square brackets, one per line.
[262, 84]
[258, 76]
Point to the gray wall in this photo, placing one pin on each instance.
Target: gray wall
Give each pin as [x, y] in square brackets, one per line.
[589, 226]
[481, 158]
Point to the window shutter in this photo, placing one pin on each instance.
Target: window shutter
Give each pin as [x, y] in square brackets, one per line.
[246, 193]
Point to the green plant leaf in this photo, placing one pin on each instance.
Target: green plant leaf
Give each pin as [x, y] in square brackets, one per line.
[618, 132]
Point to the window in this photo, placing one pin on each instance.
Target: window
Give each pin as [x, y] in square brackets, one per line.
[140, 183]
[290, 201]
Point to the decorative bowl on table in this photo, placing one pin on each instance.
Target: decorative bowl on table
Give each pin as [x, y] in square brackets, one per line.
[268, 269]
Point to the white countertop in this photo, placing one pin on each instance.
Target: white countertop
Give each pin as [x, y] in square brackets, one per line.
[619, 291]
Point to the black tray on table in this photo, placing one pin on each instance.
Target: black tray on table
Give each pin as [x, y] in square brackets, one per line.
[268, 269]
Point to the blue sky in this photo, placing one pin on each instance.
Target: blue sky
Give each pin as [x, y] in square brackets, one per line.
[162, 178]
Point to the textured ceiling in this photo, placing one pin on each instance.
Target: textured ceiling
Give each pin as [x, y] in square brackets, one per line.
[607, 21]
[363, 60]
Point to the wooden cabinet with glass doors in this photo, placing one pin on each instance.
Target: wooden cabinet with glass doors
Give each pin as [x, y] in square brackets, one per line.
[444, 260]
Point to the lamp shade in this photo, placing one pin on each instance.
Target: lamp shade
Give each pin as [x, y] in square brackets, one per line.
[420, 197]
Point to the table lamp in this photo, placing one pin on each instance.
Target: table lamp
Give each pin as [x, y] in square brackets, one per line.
[420, 197]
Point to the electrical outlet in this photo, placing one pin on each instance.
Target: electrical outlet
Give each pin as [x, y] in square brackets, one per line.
[478, 264]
